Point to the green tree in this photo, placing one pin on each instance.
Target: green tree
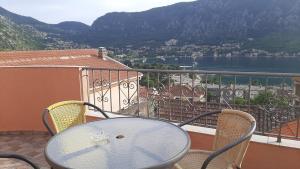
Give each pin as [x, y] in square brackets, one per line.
[127, 63]
[212, 79]
[240, 101]
[145, 81]
[268, 97]
[156, 79]
[192, 76]
[263, 98]
[256, 82]
[209, 96]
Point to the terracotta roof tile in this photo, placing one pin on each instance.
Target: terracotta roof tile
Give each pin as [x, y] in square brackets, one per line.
[296, 79]
[184, 91]
[289, 129]
[75, 57]
[47, 53]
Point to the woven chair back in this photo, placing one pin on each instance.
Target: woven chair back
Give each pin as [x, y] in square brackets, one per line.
[232, 125]
[66, 114]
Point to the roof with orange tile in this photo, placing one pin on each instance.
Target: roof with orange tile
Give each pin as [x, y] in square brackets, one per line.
[296, 79]
[184, 91]
[289, 129]
[73, 57]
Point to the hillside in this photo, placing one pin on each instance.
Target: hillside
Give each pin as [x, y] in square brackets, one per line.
[272, 25]
[268, 23]
[25, 33]
[16, 37]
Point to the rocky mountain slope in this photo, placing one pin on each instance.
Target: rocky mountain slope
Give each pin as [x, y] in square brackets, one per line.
[273, 25]
[24, 33]
[14, 36]
[260, 23]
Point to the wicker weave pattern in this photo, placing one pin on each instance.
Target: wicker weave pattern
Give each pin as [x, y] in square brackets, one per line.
[195, 159]
[231, 125]
[66, 114]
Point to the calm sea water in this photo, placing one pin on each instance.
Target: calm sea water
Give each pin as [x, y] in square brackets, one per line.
[240, 64]
[244, 64]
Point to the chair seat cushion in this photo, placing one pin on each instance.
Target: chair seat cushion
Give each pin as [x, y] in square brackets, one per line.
[195, 158]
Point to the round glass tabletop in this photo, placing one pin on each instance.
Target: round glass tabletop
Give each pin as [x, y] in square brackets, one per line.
[119, 143]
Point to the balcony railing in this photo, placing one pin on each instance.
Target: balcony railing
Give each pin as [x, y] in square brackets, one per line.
[178, 95]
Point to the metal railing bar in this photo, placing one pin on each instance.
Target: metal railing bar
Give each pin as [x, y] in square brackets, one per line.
[138, 93]
[169, 84]
[275, 83]
[110, 92]
[181, 111]
[148, 87]
[102, 96]
[119, 90]
[94, 93]
[201, 72]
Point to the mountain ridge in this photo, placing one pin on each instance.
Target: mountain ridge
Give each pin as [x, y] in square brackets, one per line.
[202, 21]
[53, 36]
[271, 25]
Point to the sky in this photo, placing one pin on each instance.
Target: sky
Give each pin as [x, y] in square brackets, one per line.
[86, 11]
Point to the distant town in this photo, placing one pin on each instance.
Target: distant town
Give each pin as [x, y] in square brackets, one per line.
[171, 49]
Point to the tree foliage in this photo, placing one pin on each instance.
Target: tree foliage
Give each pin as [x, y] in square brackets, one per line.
[156, 79]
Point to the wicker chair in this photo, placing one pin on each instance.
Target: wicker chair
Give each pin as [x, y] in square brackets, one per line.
[19, 157]
[66, 114]
[233, 133]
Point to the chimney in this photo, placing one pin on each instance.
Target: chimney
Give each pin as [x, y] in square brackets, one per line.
[102, 53]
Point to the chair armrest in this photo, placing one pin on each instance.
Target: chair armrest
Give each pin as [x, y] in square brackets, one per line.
[198, 117]
[176, 166]
[45, 122]
[229, 146]
[19, 157]
[97, 108]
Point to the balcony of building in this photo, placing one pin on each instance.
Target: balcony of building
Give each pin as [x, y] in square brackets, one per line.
[171, 95]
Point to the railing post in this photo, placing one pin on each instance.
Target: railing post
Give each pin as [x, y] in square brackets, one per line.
[138, 93]
[84, 84]
[297, 130]
[279, 134]
[148, 100]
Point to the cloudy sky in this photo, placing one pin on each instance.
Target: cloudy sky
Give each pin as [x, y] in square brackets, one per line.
[55, 11]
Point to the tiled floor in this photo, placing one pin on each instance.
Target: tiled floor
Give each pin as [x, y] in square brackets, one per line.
[29, 144]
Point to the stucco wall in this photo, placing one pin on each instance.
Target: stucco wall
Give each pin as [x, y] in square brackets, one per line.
[26, 91]
[259, 155]
[115, 98]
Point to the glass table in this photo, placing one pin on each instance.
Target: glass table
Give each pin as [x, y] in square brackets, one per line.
[118, 143]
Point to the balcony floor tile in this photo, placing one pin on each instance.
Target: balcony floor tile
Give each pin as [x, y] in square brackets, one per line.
[28, 144]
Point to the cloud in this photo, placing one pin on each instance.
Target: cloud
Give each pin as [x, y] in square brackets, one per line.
[55, 11]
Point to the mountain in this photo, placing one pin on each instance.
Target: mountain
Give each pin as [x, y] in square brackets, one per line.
[273, 25]
[267, 23]
[72, 26]
[16, 37]
[24, 33]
